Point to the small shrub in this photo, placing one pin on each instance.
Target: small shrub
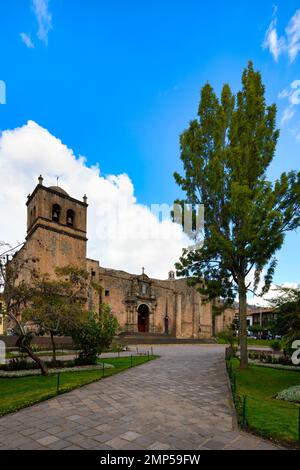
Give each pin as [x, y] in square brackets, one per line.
[116, 346]
[262, 357]
[18, 364]
[227, 336]
[230, 352]
[86, 360]
[284, 360]
[253, 355]
[276, 345]
[60, 364]
[288, 351]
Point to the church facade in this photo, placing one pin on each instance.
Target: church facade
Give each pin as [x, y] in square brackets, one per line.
[57, 237]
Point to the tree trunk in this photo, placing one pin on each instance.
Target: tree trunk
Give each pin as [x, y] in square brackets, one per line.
[21, 344]
[53, 346]
[243, 324]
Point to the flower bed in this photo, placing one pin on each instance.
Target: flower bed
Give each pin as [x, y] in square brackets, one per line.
[268, 357]
[30, 372]
[290, 394]
[275, 366]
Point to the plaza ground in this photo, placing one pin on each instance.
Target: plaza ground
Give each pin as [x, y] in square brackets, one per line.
[179, 401]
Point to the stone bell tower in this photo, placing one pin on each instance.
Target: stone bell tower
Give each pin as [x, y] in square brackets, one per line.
[56, 228]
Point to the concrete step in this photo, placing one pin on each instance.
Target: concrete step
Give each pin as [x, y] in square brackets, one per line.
[151, 338]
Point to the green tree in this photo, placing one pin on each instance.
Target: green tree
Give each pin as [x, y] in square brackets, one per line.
[57, 305]
[95, 334]
[17, 296]
[226, 153]
[287, 309]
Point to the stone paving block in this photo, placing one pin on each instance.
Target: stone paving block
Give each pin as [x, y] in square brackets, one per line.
[65, 434]
[76, 438]
[133, 446]
[29, 431]
[104, 437]
[72, 448]
[117, 443]
[89, 444]
[74, 417]
[159, 446]
[39, 435]
[130, 436]
[44, 441]
[90, 432]
[58, 445]
[31, 445]
[214, 445]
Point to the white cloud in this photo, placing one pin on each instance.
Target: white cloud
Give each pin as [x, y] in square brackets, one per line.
[139, 239]
[44, 19]
[295, 131]
[27, 40]
[292, 93]
[288, 113]
[273, 293]
[294, 96]
[293, 36]
[289, 43]
[272, 42]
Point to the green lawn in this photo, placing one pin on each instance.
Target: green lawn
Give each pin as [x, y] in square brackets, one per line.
[17, 393]
[260, 342]
[265, 415]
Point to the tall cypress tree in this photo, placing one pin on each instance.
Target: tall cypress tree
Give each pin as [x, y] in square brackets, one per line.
[226, 153]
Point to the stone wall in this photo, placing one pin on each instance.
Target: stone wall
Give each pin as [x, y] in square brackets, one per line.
[44, 342]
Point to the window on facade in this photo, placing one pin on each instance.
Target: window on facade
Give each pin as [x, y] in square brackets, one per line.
[56, 212]
[106, 292]
[70, 217]
[144, 288]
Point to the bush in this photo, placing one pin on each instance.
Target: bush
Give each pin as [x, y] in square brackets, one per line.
[230, 352]
[60, 364]
[95, 334]
[18, 364]
[36, 348]
[84, 360]
[227, 336]
[285, 361]
[276, 345]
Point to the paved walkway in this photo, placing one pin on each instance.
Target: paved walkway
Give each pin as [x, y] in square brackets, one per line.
[180, 401]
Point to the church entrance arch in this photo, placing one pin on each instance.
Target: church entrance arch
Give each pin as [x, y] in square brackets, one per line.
[143, 318]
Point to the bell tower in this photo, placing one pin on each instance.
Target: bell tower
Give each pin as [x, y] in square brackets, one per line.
[56, 228]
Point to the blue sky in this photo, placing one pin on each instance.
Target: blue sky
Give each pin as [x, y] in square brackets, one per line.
[119, 81]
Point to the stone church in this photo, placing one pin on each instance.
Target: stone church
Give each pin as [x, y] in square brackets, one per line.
[57, 237]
